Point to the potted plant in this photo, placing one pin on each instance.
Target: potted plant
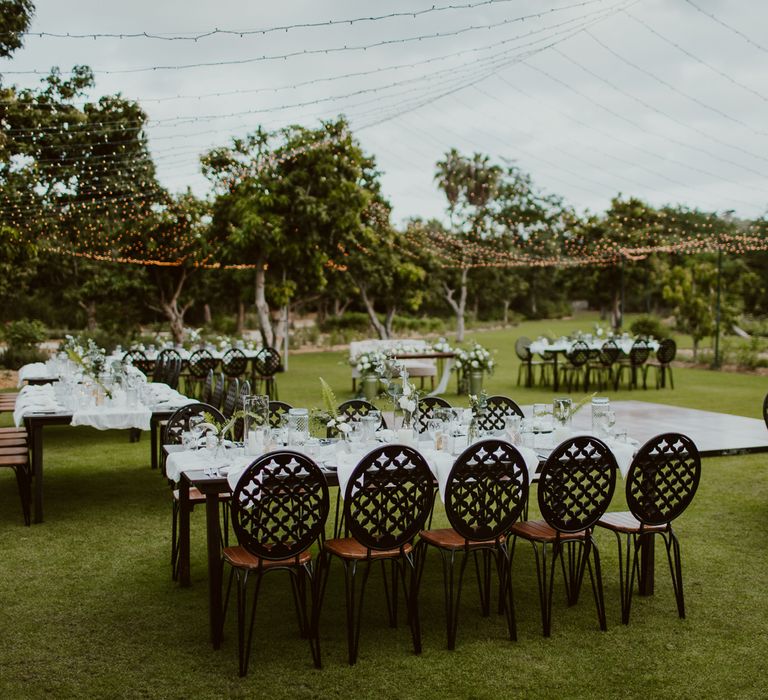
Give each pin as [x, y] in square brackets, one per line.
[472, 364]
[366, 364]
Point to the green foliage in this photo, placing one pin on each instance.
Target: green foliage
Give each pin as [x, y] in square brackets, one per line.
[24, 334]
[15, 18]
[649, 326]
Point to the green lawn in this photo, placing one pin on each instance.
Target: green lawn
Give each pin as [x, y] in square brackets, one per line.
[89, 608]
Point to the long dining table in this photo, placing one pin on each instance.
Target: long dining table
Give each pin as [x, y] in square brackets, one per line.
[212, 483]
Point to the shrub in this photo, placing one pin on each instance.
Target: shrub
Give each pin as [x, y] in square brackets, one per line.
[20, 334]
[748, 353]
[22, 338]
[649, 326]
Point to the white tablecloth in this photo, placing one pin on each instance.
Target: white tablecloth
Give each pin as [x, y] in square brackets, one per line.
[113, 417]
[541, 346]
[35, 399]
[38, 371]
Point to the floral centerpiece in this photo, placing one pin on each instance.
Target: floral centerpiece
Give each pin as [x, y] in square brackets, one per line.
[89, 357]
[470, 366]
[441, 345]
[367, 363]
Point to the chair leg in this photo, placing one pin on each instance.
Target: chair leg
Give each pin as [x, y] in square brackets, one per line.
[23, 481]
[299, 591]
[175, 540]
[391, 594]
[483, 580]
[676, 570]
[412, 597]
[452, 590]
[574, 573]
[504, 566]
[354, 608]
[627, 570]
[596, 577]
[545, 586]
[243, 641]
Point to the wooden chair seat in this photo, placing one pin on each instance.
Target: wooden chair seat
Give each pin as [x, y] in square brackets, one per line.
[14, 459]
[540, 531]
[448, 538]
[14, 451]
[10, 441]
[243, 559]
[626, 522]
[196, 496]
[350, 548]
[13, 431]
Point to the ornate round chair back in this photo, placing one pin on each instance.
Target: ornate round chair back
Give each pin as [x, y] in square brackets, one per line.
[267, 362]
[232, 397]
[217, 395]
[639, 352]
[278, 409]
[523, 349]
[426, 411]
[181, 420]
[609, 353]
[486, 490]
[579, 354]
[666, 351]
[234, 363]
[765, 410]
[497, 407]
[388, 497]
[200, 363]
[280, 505]
[663, 478]
[576, 484]
[139, 360]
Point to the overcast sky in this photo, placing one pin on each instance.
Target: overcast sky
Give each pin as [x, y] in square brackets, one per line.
[592, 97]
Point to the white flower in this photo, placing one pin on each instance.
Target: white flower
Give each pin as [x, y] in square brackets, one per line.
[344, 427]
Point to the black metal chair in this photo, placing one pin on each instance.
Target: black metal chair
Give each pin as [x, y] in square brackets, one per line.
[528, 365]
[575, 488]
[217, 395]
[160, 370]
[354, 408]
[173, 372]
[765, 410]
[279, 509]
[14, 455]
[496, 409]
[207, 391]
[139, 360]
[665, 353]
[387, 501]
[485, 494]
[180, 422]
[266, 364]
[576, 369]
[278, 409]
[234, 363]
[661, 484]
[199, 364]
[231, 399]
[634, 365]
[426, 411]
[602, 366]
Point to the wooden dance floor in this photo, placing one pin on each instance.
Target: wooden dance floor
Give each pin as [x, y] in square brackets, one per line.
[713, 433]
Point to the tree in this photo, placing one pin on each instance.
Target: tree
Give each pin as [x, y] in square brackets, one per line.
[470, 186]
[288, 204]
[15, 18]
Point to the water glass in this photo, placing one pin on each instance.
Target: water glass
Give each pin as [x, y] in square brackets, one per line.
[298, 426]
[435, 430]
[561, 410]
[370, 425]
[512, 428]
[542, 418]
[600, 406]
[527, 436]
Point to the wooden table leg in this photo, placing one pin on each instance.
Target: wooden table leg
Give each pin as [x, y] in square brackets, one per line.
[645, 585]
[35, 431]
[153, 441]
[214, 566]
[184, 575]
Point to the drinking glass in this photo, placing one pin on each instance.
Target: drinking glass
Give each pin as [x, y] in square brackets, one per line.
[434, 429]
[298, 426]
[600, 405]
[355, 434]
[542, 418]
[561, 410]
[512, 428]
[370, 424]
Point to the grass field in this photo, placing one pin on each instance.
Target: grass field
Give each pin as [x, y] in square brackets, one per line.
[88, 608]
